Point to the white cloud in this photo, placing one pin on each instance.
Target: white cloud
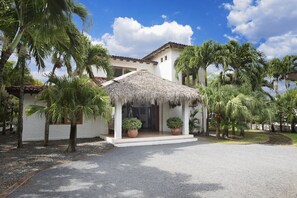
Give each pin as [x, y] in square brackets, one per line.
[94, 41]
[164, 16]
[198, 28]
[231, 37]
[280, 46]
[130, 38]
[42, 74]
[268, 20]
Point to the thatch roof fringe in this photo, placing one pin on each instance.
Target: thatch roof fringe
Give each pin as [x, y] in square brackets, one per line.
[144, 87]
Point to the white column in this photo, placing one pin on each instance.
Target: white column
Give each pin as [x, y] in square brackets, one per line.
[118, 120]
[186, 117]
[161, 117]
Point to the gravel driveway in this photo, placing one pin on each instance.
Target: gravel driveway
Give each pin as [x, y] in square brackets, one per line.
[178, 170]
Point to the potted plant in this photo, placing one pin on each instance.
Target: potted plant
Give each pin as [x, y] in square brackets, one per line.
[174, 124]
[132, 125]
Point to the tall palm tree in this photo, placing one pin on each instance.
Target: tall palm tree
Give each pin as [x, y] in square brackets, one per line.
[242, 63]
[194, 58]
[68, 98]
[19, 17]
[280, 68]
[40, 26]
[187, 64]
[93, 57]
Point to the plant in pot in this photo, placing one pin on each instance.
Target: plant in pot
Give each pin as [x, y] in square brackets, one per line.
[174, 124]
[132, 125]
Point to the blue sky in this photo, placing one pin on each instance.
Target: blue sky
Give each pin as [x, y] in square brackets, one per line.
[134, 28]
[207, 18]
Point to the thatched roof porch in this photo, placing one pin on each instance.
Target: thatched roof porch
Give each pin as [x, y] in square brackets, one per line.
[144, 87]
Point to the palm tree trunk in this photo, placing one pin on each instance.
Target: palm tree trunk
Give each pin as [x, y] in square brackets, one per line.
[226, 131]
[11, 120]
[293, 130]
[46, 130]
[272, 128]
[218, 128]
[72, 138]
[21, 106]
[4, 122]
[281, 123]
[276, 87]
[241, 132]
[233, 130]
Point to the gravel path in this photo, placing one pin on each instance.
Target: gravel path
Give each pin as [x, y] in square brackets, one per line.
[178, 170]
[15, 164]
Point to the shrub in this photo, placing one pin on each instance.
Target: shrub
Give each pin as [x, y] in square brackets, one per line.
[174, 123]
[131, 123]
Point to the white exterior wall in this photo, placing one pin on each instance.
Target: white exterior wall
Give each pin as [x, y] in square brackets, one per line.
[166, 68]
[34, 126]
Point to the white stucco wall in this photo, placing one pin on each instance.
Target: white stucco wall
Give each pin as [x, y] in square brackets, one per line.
[34, 126]
[166, 68]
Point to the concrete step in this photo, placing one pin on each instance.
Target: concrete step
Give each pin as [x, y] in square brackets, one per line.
[154, 142]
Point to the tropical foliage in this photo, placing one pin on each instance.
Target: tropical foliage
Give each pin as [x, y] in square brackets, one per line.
[241, 93]
[131, 123]
[69, 98]
[174, 123]
[194, 122]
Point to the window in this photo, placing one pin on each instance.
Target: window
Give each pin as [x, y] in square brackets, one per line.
[161, 60]
[165, 57]
[65, 120]
[118, 71]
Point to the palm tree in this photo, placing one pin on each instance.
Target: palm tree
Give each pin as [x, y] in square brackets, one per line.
[274, 70]
[187, 64]
[242, 64]
[286, 105]
[239, 110]
[36, 20]
[40, 26]
[194, 58]
[279, 69]
[93, 56]
[86, 57]
[215, 99]
[68, 98]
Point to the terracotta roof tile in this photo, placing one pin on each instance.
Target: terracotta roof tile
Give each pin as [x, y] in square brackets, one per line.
[28, 89]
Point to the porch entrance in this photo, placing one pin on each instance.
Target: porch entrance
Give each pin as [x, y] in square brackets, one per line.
[148, 114]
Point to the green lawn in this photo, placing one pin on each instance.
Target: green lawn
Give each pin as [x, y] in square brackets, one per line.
[250, 138]
[293, 136]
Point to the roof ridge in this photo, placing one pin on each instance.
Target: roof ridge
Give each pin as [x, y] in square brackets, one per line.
[134, 59]
[170, 43]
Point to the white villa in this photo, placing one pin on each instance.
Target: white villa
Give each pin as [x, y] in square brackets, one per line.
[146, 88]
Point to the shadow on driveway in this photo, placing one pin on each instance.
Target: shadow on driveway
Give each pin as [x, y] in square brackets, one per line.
[121, 172]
